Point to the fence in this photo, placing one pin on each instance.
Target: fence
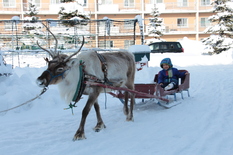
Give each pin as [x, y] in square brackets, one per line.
[23, 35]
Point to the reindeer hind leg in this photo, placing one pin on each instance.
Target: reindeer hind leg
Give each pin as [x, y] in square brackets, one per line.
[100, 124]
[126, 108]
[130, 110]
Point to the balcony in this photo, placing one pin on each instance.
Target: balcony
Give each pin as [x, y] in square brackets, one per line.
[106, 8]
[173, 29]
[120, 8]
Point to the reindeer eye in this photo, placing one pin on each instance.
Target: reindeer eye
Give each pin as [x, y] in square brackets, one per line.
[60, 69]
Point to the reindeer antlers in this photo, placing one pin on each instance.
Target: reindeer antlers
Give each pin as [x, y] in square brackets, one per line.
[55, 53]
[52, 54]
[68, 58]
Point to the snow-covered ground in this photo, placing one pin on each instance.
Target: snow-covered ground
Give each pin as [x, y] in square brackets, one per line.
[201, 125]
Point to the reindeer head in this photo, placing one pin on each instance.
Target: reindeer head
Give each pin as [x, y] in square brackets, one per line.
[57, 67]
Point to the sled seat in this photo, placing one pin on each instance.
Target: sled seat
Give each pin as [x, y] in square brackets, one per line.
[183, 85]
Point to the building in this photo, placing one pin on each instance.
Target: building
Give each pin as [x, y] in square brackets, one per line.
[182, 18]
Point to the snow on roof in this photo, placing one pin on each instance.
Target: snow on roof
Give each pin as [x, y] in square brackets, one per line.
[139, 49]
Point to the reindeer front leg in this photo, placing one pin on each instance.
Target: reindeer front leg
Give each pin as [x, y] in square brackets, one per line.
[79, 135]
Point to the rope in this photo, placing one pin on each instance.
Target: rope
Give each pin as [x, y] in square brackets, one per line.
[42, 92]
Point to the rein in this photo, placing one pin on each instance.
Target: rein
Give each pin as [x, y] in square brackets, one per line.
[42, 92]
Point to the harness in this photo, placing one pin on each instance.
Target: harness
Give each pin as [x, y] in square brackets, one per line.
[81, 84]
[55, 76]
[85, 77]
[104, 68]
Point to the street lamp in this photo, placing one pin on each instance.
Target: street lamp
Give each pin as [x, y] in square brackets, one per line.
[15, 20]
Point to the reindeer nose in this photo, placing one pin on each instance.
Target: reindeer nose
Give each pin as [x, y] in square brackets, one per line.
[41, 83]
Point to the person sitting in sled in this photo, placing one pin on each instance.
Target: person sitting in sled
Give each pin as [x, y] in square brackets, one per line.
[168, 76]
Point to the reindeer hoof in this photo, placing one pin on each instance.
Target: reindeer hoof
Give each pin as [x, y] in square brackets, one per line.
[79, 136]
[99, 127]
[129, 118]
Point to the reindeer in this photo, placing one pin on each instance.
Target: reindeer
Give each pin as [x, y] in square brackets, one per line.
[113, 68]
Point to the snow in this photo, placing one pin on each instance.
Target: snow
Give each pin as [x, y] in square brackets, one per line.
[202, 124]
[4, 68]
[139, 49]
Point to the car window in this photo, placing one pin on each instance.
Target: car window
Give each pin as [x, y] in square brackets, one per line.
[178, 45]
[154, 47]
[151, 47]
[172, 46]
[164, 46]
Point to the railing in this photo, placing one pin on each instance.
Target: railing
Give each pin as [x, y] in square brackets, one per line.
[14, 36]
[48, 8]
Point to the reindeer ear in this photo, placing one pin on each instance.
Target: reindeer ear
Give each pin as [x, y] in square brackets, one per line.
[72, 62]
[46, 59]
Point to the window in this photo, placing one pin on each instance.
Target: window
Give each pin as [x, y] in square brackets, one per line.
[106, 2]
[106, 44]
[172, 46]
[156, 1]
[84, 2]
[205, 22]
[205, 2]
[159, 1]
[8, 26]
[55, 1]
[155, 47]
[182, 3]
[9, 3]
[37, 3]
[128, 43]
[163, 46]
[128, 3]
[182, 22]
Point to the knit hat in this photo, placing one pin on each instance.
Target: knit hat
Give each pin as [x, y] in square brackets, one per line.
[166, 61]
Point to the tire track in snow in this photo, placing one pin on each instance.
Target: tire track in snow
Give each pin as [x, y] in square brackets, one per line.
[211, 109]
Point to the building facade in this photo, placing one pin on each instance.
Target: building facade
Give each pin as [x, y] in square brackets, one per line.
[182, 18]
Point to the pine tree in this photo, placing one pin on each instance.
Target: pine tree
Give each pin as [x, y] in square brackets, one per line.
[73, 12]
[156, 26]
[32, 10]
[221, 38]
[31, 24]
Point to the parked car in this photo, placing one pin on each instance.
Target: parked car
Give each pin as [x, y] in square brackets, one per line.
[166, 47]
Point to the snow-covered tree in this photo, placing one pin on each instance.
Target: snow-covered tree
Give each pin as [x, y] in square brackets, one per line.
[155, 26]
[221, 38]
[31, 24]
[73, 11]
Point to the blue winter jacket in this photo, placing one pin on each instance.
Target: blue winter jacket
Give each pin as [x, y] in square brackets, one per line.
[170, 75]
[165, 79]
